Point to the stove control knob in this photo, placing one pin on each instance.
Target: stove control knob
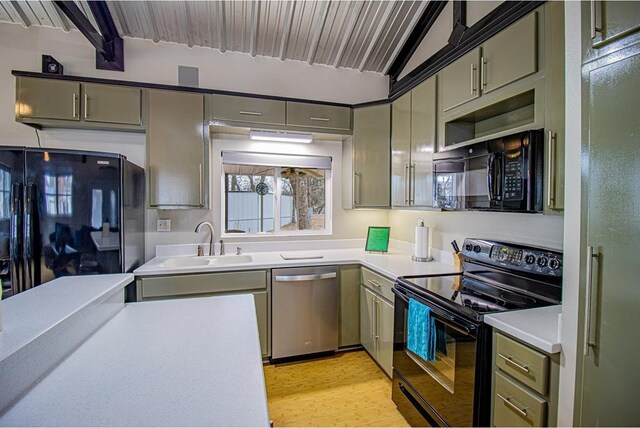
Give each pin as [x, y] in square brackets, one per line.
[468, 247]
[554, 264]
[542, 261]
[530, 259]
[476, 248]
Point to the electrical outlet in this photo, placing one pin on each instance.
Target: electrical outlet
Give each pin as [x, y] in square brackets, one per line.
[163, 225]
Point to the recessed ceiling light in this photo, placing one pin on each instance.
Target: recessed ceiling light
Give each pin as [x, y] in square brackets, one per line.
[286, 137]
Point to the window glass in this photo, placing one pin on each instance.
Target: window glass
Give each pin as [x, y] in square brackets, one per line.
[276, 200]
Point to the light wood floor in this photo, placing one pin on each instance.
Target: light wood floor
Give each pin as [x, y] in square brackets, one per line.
[346, 390]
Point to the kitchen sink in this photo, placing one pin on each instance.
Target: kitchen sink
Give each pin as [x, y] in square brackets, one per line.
[205, 261]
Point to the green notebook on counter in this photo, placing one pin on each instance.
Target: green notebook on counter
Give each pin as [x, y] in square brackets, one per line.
[378, 239]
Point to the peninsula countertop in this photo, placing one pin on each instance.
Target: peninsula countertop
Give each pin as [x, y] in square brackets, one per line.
[188, 362]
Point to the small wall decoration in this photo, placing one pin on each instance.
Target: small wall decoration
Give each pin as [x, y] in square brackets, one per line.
[262, 189]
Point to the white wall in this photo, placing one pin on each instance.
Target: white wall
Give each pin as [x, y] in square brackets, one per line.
[439, 33]
[21, 49]
[535, 229]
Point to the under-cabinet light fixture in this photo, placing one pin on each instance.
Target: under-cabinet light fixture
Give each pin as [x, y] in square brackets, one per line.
[285, 137]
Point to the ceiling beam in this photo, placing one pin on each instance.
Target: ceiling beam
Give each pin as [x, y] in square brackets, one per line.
[324, 12]
[459, 22]
[286, 30]
[426, 21]
[108, 43]
[412, 24]
[376, 35]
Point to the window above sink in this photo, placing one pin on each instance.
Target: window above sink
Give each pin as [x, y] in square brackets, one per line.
[266, 194]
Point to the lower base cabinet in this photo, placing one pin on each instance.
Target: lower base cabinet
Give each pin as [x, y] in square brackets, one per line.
[525, 385]
[198, 285]
[376, 324]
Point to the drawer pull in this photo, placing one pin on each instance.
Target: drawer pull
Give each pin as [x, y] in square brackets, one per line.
[251, 113]
[320, 119]
[518, 410]
[374, 283]
[509, 360]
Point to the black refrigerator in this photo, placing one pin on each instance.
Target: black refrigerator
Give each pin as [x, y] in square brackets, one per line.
[67, 213]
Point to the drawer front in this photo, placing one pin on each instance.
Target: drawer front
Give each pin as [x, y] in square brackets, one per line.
[181, 285]
[523, 363]
[244, 109]
[318, 116]
[513, 405]
[377, 283]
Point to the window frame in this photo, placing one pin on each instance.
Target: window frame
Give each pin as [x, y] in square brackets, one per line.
[277, 187]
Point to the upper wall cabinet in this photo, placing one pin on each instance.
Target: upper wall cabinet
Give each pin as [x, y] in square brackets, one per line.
[111, 104]
[365, 157]
[319, 116]
[47, 99]
[413, 141]
[177, 150]
[61, 103]
[229, 108]
[613, 20]
[505, 58]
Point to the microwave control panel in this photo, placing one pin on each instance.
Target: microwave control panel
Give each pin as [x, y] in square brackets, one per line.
[527, 259]
[513, 176]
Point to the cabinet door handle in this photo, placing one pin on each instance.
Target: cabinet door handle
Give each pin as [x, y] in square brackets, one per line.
[507, 401]
[406, 184]
[474, 67]
[551, 175]
[377, 302]
[483, 72]
[509, 360]
[86, 105]
[412, 184]
[200, 196]
[356, 191]
[588, 342]
[374, 283]
[251, 113]
[373, 310]
[595, 28]
[320, 119]
[74, 111]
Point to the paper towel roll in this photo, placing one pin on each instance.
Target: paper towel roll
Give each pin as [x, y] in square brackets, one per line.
[421, 242]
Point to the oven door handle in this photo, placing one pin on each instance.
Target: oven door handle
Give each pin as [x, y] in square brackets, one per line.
[443, 317]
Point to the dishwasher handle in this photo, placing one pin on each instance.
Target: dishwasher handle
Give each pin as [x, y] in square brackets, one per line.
[313, 277]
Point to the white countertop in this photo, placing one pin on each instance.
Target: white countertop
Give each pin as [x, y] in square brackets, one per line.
[392, 264]
[538, 327]
[186, 362]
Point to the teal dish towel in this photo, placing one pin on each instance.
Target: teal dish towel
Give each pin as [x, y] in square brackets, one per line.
[422, 334]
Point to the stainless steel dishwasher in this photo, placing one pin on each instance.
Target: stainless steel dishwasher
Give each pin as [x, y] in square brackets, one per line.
[304, 311]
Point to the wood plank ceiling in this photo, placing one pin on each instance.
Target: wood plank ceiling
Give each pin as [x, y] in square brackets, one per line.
[362, 35]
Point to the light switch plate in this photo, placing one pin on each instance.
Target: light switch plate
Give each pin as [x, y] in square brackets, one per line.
[163, 225]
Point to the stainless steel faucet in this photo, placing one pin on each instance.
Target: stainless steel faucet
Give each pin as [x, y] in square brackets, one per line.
[221, 247]
[206, 223]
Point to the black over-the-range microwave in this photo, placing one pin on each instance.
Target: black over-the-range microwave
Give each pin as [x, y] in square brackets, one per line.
[502, 174]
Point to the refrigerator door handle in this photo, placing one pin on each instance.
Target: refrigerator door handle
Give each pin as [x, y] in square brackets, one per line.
[28, 237]
[17, 279]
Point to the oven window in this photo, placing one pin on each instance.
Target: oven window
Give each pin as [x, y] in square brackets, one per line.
[443, 369]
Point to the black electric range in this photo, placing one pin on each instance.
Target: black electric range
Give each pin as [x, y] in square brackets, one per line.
[454, 390]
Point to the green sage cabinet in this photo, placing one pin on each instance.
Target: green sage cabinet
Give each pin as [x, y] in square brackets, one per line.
[376, 319]
[501, 60]
[47, 99]
[413, 141]
[610, 295]
[184, 286]
[111, 104]
[177, 150]
[612, 20]
[248, 110]
[319, 116]
[366, 159]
